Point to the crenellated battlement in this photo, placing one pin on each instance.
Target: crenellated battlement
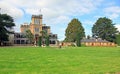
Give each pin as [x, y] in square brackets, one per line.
[37, 16]
[25, 26]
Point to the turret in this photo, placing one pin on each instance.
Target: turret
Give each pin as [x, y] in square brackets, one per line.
[37, 19]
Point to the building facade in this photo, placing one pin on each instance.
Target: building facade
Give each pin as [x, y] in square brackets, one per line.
[92, 42]
[19, 38]
[96, 42]
[36, 27]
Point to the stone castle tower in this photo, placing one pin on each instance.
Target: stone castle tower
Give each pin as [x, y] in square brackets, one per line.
[35, 26]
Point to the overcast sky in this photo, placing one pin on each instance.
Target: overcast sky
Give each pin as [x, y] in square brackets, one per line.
[58, 13]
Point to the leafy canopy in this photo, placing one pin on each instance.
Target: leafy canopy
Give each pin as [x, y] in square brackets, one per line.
[29, 35]
[74, 31]
[104, 28]
[6, 24]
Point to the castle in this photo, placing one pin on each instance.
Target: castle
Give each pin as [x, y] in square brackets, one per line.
[35, 26]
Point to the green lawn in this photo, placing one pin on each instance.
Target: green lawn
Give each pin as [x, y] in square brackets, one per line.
[71, 60]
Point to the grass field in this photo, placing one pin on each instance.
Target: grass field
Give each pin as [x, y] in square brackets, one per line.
[71, 60]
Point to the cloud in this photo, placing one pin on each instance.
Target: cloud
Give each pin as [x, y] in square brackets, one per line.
[118, 27]
[32, 11]
[59, 20]
[88, 22]
[112, 9]
[15, 12]
[61, 33]
[113, 15]
[113, 12]
[59, 25]
[56, 13]
[58, 7]
[52, 8]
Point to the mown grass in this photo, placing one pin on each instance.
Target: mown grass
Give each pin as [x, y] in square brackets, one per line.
[71, 60]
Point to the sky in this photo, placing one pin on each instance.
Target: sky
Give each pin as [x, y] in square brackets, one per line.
[58, 13]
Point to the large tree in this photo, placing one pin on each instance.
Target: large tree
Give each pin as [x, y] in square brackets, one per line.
[6, 23]
[104, 28]
[74, 31]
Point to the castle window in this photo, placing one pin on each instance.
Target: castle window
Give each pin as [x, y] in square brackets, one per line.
[36, 29]
[36, 21]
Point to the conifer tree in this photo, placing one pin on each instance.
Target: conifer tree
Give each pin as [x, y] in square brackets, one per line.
[75, 31]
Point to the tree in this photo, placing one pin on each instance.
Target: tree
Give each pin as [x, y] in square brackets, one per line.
[6, 24]
[47, 41]
[104, 28]
[45, 36]
[88, 37]
[29, 35]
[78, 40]
[74, 31]
[39, 41]
[118, 39]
